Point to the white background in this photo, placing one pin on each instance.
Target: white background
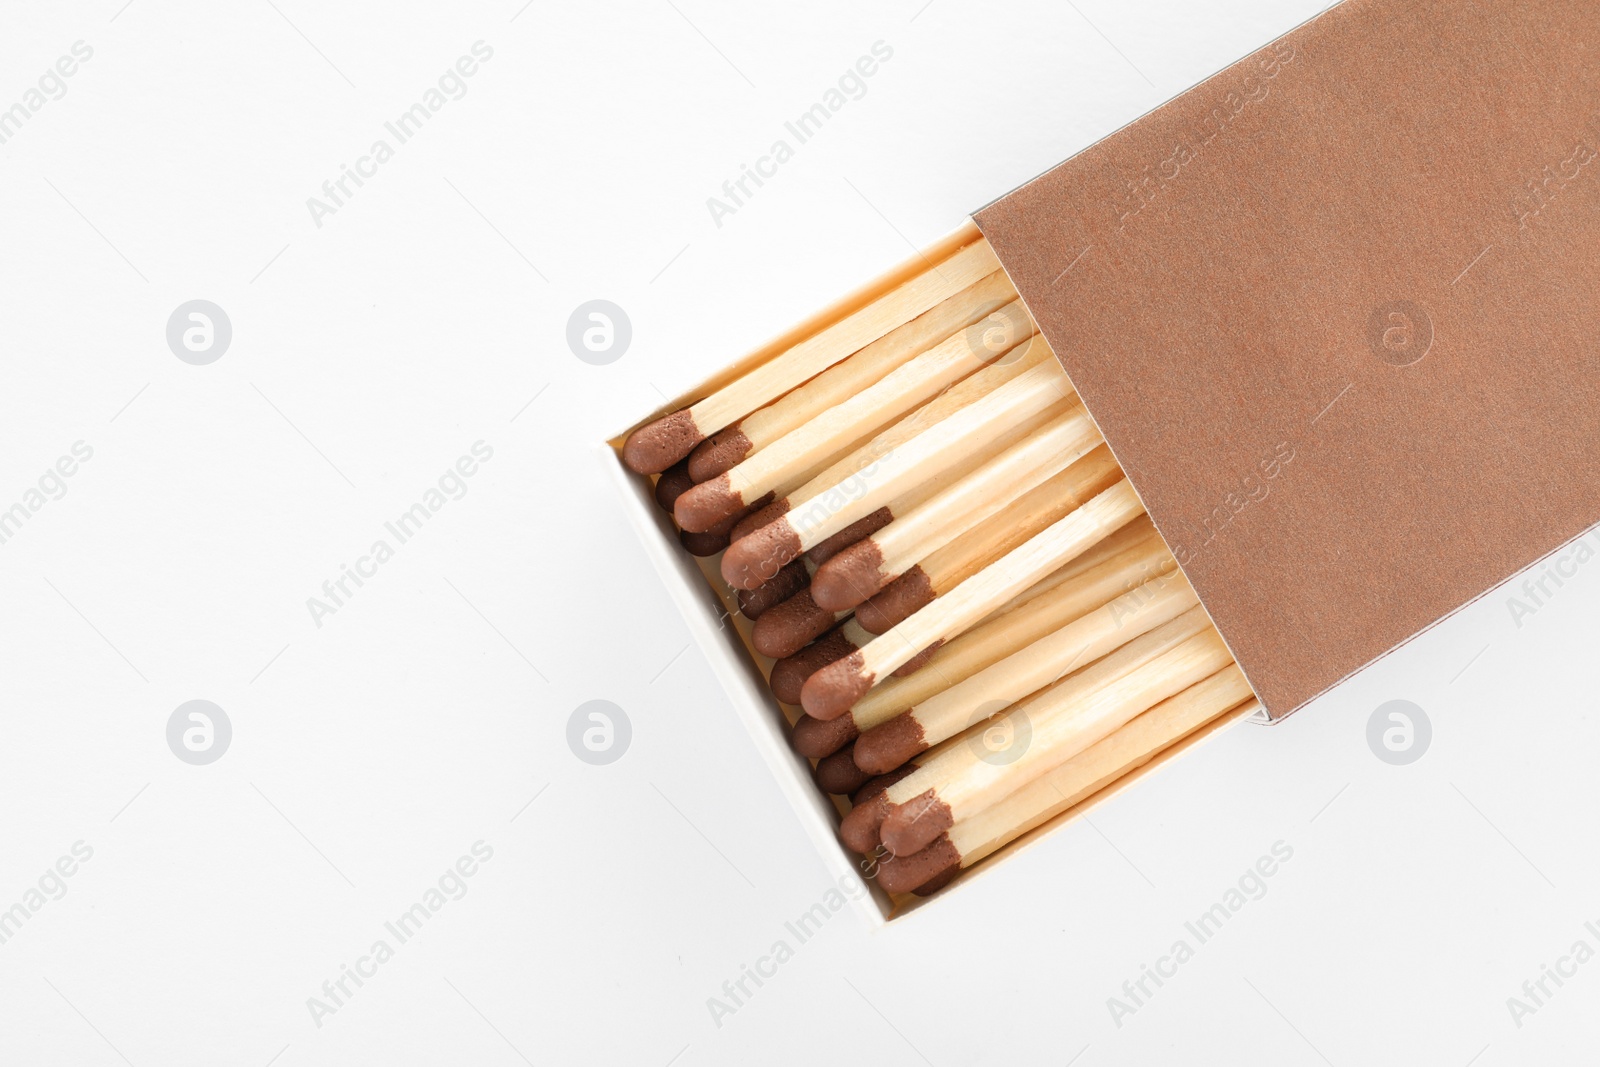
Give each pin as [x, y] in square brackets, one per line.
[371, 752]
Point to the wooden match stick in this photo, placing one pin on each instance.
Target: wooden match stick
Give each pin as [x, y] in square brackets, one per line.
[1027, 592]
[949, 565]
[1176, 718]
[788, 630]
[752, 559]
[1132, 746]
[726, 448]
[873, 786]
[1119, 562]
[1143, 659]
[829, 433]
[982, 453]
[864, 568]
[861, 829]
[831, 691]
[1123, 561]
[1065, 720]
[658, 445]
[936, 410]
[863, 528]
[1032, 668]
[791, 633]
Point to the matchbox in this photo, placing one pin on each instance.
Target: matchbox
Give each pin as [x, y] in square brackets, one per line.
[1154, 439]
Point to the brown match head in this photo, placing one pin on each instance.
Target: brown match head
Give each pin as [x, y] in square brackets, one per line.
[785, 584]
[912, 826]
[718, 454]
[702, 544]
[937, 882]
[919, 661]
[708, 504]
[655, 446]
[815, 738]
[889, 745]
[758, 557]
[859, 530]
[878, 784]
[708, 542]
[850, 577]
[900, 599]
[838, 774]
[917, 871]
[791, 626]
[859, 828]
[672, 484]
[760, 517]
[789, 674]
[834, 689]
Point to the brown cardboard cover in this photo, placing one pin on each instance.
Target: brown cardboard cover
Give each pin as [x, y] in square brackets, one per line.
[1336, 310]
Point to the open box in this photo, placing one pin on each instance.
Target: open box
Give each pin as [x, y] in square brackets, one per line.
[1365, 259]
[710, 611]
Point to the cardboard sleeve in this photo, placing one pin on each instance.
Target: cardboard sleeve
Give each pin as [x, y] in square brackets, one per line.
[1337, 312]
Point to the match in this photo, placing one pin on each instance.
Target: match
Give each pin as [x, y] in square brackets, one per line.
[924, 491]
[782, 464]
[1032, 668]
[751, 559]
[726, 448]
[862, 456]
[789, 673]
[706, 543]
[1130, 747]
[658, 445]
[921, 809]
[1124, 560]
[831, 691]
[949, 565]
[792, 625]
[864, 568]
[1064, 720]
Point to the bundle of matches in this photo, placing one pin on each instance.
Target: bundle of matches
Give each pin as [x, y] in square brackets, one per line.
[935, 547]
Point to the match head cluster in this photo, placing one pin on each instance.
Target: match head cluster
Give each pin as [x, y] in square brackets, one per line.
[973, 623]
